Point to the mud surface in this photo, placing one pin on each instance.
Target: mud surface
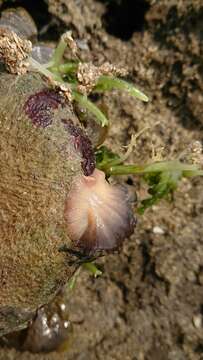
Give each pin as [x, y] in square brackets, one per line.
[148, 305]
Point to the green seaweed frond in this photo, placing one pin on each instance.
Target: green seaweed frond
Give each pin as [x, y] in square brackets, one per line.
[107, 83]
[91, 107]
[66, 73]
[92, 268]
[162, 177]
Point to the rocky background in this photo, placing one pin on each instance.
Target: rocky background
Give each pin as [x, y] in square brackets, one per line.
[148, 304]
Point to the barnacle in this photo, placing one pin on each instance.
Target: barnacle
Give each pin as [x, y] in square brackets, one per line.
[98, 215]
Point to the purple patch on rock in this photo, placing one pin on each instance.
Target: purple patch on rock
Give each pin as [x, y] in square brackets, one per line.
[39, 106]
[82, 144]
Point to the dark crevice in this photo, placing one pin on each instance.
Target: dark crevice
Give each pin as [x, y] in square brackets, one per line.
[123, 289]
[124, 17]
[130, 181]
[199, 348]
[180, 85]
[149, 267]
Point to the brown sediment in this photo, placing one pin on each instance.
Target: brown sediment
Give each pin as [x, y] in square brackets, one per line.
[145, 303]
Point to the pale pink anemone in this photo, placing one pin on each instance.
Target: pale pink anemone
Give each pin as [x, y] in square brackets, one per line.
[98, 215]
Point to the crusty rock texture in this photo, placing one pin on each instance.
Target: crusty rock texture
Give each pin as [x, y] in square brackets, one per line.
[38, 162]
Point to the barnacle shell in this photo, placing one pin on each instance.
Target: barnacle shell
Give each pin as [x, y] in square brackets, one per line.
[98, 215]
[19, 21]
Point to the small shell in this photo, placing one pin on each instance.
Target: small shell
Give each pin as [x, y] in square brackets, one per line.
[98, 215]
[47, 332]
[42, 54]
[19, 21]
